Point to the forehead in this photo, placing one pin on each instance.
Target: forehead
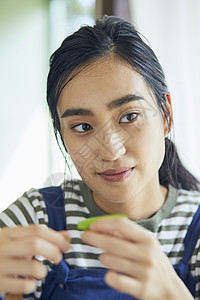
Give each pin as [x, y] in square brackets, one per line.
[102, 82]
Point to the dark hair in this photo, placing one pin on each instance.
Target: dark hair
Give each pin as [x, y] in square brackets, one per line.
[111, 35]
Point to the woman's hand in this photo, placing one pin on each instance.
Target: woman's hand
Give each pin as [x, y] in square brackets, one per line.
[145, 271]
[13, 297]
[18, 248]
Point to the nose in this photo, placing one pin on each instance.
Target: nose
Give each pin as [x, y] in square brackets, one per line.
[110, 145]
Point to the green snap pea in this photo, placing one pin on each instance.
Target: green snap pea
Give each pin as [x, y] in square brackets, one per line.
[85, 225]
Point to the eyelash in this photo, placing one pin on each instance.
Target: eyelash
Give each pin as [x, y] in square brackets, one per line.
[129, 114]
[90, 127]
[81, 124]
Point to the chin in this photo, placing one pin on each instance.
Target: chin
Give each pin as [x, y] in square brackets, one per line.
[115, 195]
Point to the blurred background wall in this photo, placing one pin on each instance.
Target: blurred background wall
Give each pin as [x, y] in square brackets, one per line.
[31, 30]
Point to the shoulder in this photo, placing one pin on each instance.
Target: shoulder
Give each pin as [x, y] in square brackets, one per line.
[25, 210]
[187, 201]
[191, 196]
[184, 205]
[30, 208]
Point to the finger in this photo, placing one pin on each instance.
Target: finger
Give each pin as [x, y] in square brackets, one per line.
[122, 227]
[42, 231]
[120, 264]
[124, 284]
[11, 296]
[66, 235]
[17, 285]
[20, 231]
[115, 245]
[20, 234]
[33, 269]
[32, 247]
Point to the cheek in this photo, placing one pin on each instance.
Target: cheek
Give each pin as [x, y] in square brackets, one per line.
[147, 144]
[70, 144]
[156, 148]
[80, 152]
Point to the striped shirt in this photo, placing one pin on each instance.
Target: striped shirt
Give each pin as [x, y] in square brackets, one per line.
[169, 225]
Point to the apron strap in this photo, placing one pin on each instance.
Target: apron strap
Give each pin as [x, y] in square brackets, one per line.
[54, 200]
[192, 235]
[190, 241]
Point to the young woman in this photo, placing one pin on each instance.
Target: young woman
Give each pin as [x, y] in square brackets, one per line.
[112, 111]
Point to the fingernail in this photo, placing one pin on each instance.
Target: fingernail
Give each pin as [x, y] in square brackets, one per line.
[58, 260]
[83, 235]
[67, 238]
[66, 235]
[92, 226]
[66, 247]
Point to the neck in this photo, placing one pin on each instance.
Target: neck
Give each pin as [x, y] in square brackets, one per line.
[142, 206]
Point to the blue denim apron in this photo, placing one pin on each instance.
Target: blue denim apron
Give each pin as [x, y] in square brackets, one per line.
[83, 284]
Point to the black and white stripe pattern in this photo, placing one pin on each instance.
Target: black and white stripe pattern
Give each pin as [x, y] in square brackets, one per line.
[169, 225]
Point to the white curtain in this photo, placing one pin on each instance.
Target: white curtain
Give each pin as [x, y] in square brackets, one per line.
[172, 28]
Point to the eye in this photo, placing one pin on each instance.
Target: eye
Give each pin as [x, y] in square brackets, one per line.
[83, 127]
[128, 118]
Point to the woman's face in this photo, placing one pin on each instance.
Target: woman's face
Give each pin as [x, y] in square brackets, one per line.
[113, 131]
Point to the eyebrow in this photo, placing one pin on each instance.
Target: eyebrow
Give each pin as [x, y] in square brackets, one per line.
[123, 100]
[112, 105]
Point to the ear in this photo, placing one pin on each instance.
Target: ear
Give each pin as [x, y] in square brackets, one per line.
[168, 117]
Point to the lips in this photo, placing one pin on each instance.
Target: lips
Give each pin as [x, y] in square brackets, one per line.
[115, 175]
